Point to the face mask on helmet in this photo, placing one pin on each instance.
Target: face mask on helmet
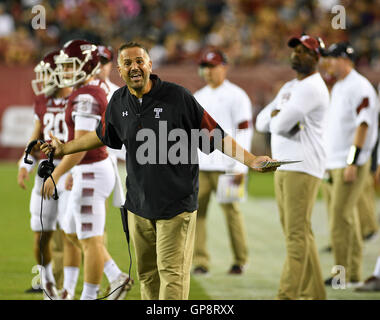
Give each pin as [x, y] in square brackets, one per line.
[76, 63]
[45, 81]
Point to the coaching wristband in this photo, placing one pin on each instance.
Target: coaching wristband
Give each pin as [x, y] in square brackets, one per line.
[353, 155]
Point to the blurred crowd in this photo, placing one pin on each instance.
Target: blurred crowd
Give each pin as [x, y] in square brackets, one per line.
[249, 31]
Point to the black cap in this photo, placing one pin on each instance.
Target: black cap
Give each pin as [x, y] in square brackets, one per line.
[340, 49]
[311, 43]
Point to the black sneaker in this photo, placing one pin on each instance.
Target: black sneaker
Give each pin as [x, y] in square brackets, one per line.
[328, 281]
[236, 269]
[32, 290]
[200, 271]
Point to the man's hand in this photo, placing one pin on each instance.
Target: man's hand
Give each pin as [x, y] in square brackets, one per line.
[350, 173]
[238, 178]
[55, 145]
[23, 175]
[48, 190]
[258, 162]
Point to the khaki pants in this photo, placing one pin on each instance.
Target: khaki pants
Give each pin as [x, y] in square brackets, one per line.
[301, 275]
[346, 238]
[365, 206]
[208, 182]
[367, 209]
[164, 251]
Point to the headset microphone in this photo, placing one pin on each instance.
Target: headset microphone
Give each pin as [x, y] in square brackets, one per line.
[46, 167]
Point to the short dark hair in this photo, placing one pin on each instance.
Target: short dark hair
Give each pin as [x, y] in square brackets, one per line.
[131, 44]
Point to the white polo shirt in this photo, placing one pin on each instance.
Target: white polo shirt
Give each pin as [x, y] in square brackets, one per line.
[302, 102]
[113, 87]
[231, 108]
[353, 101]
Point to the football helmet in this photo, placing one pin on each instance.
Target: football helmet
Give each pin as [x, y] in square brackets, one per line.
[77, 61]
[45, 81]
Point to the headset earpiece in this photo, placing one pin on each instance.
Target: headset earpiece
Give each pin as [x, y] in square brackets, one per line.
[45, 169]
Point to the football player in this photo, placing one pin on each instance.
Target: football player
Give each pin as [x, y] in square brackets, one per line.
[93, 174]
[49, 110]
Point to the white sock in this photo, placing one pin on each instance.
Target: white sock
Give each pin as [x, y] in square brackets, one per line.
[111, 270]
[70, 279]
[376, 273]
[90, 291]
[47, 274]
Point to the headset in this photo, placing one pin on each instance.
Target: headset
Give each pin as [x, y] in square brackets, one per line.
[45, 170]
[46, 167]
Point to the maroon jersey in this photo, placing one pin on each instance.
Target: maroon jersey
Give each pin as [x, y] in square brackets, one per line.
[88, 101]
[51, 114]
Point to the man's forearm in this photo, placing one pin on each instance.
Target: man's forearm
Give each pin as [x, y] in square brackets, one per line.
[232, 149]
[86, 142]
[67, 163]
[358, 143]
[360, 135]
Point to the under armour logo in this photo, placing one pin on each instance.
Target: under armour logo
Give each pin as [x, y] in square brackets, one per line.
[157, 111]
[125, 113]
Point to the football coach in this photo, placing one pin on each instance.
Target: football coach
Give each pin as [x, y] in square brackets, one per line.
[161, 198]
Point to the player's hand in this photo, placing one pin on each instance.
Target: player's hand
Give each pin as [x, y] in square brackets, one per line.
[238, 179]
[48, 190]
[69, 182]
[258, 162]
[23, 175]
[55, 145]
[350, 173]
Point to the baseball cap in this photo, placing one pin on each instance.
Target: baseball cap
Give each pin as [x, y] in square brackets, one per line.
[340, 49]
[309, 42]
[106, 52]
[212, 57]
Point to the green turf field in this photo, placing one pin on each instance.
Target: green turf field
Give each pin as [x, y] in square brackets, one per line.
[265, 238]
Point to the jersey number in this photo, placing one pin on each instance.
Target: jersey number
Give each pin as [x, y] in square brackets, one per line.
[57, 125]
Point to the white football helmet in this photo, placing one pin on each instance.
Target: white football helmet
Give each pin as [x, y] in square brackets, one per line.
[45, 82]
[77, 61]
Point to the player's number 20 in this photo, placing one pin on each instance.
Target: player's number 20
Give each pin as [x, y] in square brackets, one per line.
[57, 125]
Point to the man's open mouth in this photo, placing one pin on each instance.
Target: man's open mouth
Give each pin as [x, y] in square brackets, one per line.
[136, 76]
